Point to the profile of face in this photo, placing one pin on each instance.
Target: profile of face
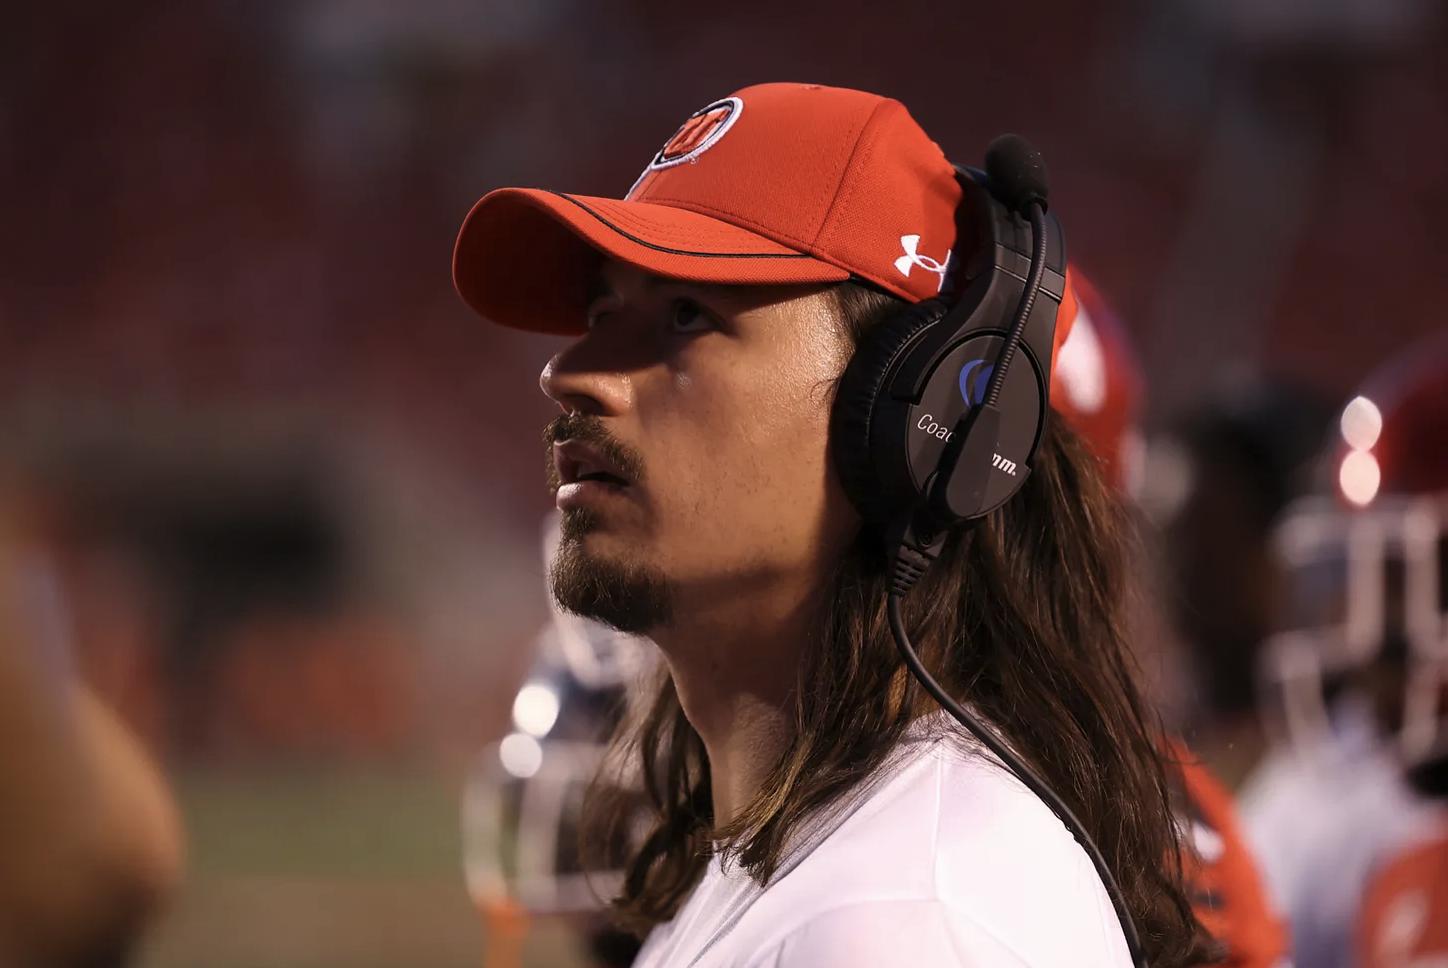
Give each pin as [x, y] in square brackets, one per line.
[691, 460]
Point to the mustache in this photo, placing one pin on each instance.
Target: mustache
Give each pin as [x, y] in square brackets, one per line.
[589, 429]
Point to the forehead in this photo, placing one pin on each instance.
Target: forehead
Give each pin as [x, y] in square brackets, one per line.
[619, 280]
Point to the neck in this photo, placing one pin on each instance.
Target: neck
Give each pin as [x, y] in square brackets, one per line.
[734, 667]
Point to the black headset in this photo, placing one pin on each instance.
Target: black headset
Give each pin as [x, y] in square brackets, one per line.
[936, 420]
[921, 377]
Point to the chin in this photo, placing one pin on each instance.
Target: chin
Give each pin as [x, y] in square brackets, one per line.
[598, 577]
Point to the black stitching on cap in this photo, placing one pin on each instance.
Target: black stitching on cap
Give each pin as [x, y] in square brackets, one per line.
[662, 248]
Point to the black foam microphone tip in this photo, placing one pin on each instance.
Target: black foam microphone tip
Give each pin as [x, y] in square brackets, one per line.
[1016, 172]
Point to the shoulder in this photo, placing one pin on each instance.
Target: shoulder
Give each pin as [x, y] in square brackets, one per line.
[924, 933]
[951, 836]
[1007, 860]
[1404, 913]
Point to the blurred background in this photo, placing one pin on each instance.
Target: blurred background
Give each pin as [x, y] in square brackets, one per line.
[291, 491]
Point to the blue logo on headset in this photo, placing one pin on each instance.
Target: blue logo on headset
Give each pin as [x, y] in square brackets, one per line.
[974, 378]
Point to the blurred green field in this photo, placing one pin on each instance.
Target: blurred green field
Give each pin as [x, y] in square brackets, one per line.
[327, 868]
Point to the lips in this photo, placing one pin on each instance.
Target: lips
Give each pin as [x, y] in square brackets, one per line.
[577, 462]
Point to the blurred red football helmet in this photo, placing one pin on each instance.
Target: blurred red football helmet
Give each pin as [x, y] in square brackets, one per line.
[1096, 385]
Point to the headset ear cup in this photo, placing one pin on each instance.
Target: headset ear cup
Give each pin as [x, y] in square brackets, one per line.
[854, 407]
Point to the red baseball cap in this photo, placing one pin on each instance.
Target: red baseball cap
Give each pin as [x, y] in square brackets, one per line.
[777, 183]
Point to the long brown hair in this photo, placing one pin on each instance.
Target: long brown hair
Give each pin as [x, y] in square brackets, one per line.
[1023, 616]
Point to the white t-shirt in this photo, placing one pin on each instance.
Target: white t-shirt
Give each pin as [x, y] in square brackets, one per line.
[942, 859]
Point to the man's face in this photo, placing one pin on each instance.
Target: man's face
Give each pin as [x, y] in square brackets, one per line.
[691, 462]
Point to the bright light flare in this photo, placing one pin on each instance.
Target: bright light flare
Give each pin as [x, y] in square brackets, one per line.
[1362, 423]
[1359, 477]
[535, 709]
[521, 755]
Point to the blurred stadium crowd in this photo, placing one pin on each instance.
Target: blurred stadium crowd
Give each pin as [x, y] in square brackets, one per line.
[269, 492]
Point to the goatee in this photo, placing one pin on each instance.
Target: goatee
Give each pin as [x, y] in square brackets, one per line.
[627, 596]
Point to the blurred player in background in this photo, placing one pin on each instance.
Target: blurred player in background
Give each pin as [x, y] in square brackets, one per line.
[524, 798]
[90, 842]
[1217, 483]
[1355, 685]
[1097, 388]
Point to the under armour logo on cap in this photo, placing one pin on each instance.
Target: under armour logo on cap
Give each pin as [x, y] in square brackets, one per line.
[912, 258]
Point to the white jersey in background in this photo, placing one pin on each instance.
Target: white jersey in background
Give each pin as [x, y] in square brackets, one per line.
[1320, 821]
[942, 859]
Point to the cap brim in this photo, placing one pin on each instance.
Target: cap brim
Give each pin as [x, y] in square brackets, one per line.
[526, 258]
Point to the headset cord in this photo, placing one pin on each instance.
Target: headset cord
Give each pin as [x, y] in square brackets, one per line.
[909, 565]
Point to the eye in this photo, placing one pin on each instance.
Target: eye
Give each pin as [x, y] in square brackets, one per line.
[687, 316]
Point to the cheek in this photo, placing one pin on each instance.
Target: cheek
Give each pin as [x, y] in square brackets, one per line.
[788, 431]
[793, 393]
[753, 472]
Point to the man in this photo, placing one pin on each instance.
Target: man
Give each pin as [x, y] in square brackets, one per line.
[1348, 809]
[1097, 387]
[1403, 917]
[810, 805]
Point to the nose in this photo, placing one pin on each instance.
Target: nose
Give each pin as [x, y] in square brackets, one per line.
[579, 386]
